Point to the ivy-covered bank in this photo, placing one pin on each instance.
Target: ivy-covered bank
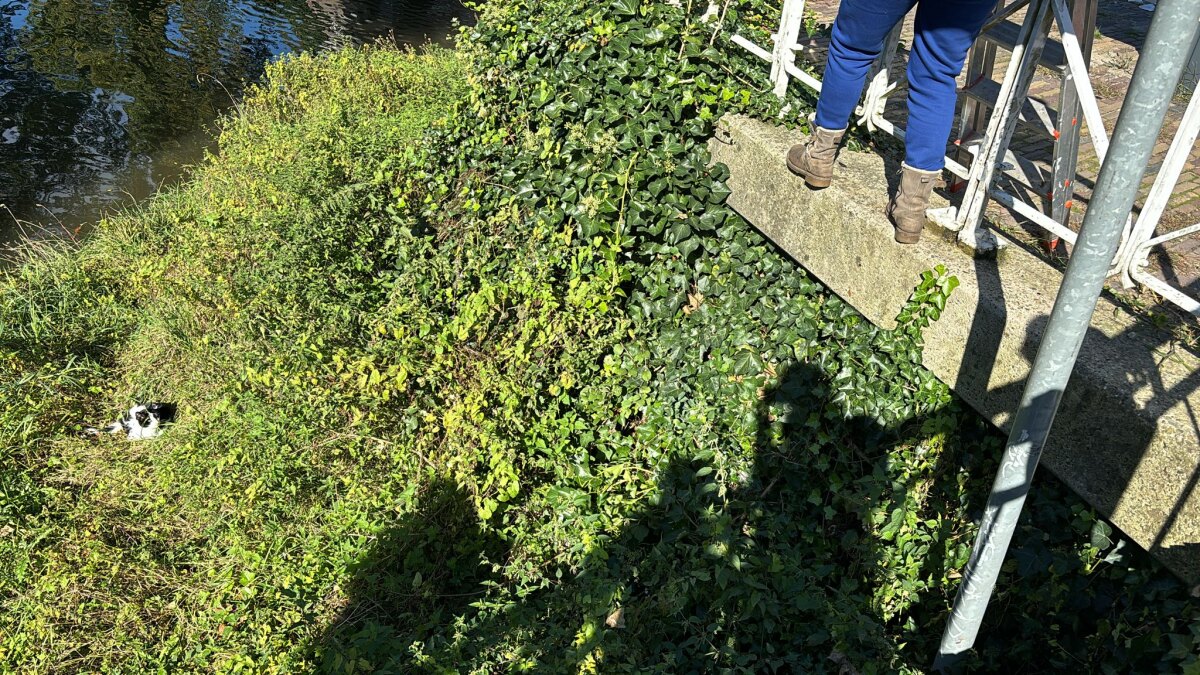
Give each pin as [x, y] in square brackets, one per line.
[477, 373]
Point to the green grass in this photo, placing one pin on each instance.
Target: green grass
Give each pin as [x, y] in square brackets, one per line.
[474, 378]
[125, 555]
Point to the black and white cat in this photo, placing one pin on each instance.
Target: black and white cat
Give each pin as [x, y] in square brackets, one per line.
[141, 422]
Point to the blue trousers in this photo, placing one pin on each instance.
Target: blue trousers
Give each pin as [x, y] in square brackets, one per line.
[944, 31]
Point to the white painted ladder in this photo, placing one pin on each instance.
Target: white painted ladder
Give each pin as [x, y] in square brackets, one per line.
[989, 152]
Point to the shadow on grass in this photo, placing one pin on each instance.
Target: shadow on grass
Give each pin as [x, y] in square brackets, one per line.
[419, 576]
[834, 551]
[762, 571]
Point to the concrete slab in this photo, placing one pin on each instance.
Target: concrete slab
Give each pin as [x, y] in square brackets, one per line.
[1127, 437]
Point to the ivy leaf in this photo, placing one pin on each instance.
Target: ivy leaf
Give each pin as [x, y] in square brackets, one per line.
[889, 531]
[679, 231]
[747, 363]
[719, 193]
[1100, 536]
[688, 246]
[625, 7]
[648, 37]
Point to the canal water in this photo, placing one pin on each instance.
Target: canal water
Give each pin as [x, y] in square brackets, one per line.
[104, 101]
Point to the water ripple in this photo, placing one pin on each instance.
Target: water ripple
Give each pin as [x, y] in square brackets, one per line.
[102, 101]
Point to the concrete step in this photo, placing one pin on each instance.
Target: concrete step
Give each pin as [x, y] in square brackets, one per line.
[1033, 112]
[1126, 437]
[1018, 167]
[1005, 34]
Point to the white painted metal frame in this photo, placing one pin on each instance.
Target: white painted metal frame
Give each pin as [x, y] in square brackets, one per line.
[969, 216]
[880, 84]
[783, 68]
[1131, 259]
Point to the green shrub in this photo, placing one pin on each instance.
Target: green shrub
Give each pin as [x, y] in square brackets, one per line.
[479, 373]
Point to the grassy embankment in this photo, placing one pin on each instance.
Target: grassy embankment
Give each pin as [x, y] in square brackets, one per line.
[250, 296]
[478, 373]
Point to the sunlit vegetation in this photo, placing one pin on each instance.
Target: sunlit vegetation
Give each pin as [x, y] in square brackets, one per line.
[477, 372]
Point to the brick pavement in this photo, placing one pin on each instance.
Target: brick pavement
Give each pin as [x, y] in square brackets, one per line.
[1121, 27]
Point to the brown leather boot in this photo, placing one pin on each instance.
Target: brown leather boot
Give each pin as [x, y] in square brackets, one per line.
[813, 159]
[907, 208]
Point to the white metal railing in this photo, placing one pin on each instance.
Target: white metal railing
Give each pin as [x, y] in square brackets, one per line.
[1133, 258]
[1137, 240]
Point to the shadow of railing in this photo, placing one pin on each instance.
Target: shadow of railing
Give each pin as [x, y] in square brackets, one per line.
[1142, 350]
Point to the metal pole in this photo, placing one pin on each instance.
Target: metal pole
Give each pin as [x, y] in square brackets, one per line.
[1172, 32]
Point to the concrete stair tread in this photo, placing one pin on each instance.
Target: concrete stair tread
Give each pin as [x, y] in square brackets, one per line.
[1006, 33]
[1034, 112]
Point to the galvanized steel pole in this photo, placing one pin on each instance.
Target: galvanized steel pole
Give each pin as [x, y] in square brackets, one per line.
[1171, 36]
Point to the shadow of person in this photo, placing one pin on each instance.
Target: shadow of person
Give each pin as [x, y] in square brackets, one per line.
[420, 573]
[758, 569]
[825, 541]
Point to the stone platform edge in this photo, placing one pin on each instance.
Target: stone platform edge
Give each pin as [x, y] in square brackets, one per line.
[1127, 435]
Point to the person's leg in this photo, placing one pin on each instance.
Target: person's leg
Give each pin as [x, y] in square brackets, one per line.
[859, 30]
[858, 34]
[945, 30]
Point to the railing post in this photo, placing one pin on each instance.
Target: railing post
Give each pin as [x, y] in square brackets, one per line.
[1164, 184]
[784, 54]
[1171, 36]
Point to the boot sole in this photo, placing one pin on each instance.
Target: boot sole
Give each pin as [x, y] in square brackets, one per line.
[906, 237]
[903, 236]
[811, 181]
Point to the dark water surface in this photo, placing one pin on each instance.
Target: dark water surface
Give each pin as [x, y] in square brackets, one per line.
[102, 101]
